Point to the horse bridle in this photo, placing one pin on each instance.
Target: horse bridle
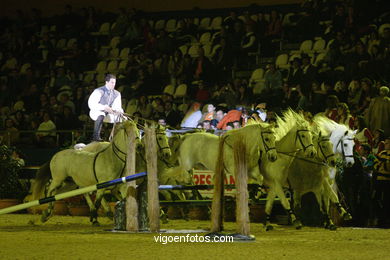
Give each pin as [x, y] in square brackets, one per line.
[117, 150]
[322, 151]
[266, 147]
[297, 136]
[341, 142]
[161, 132]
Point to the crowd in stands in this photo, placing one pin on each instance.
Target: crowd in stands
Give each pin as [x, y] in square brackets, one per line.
[191, 71]
[50, 65]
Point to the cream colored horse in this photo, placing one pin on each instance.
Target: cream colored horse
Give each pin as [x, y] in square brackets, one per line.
[293, 135]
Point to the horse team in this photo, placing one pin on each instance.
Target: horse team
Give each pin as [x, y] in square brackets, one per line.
[296, 153]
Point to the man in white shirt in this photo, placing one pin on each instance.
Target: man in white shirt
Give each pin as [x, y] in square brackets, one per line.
[105, 104]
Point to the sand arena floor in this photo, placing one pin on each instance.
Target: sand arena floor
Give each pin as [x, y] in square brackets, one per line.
[22, 236]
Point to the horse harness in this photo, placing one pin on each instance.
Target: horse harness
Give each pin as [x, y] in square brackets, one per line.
[115, 150]
[322, 151]
[341, 142]
[297, 136]
[264, 139]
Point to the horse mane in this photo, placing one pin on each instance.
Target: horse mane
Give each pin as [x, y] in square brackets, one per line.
[248, 129]
[331, 127]
[288, 121]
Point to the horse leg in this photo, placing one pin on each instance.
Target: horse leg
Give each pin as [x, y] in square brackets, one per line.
[98, 200]
[107, 209]
[297, 197]
[268, 209]
[325, 208]
[332, 196]
[91, 205]
[286, 205]
[46, 214]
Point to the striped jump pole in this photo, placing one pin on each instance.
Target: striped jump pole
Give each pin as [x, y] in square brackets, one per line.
[73, 193]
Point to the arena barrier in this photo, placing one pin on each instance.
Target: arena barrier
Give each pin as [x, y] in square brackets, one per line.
[73, 193]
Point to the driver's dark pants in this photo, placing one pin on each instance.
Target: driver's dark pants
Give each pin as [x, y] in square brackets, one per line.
[97, 128]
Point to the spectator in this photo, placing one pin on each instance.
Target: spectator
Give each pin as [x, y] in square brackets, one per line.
[295, 74]
[171, 115]
[363, 135]
[229, 126]
[64, 100]
[192, 117]
[47, 137]
[175, 67]
[223, 59]
[260, 113]
[202, 94]
[12, 135]
[230, 117]
[206, 125]
[331, 107]
[236, 124]
[210, 113]
[162, 122]
[309, 73]
[379, 141]
[144, 107]
[249, 43]
[378, 113]
[344, 116]
[273, 84]
[164, 43]
[230, 21]
[381, 180]
[303, 101]
[202, 67]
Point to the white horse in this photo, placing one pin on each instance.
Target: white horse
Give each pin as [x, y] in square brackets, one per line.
[343, 142]
[292, 135]
[202, 148]
[311, 175]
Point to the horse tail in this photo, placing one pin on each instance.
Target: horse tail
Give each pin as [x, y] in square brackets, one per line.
[217, 204]
[42, 177]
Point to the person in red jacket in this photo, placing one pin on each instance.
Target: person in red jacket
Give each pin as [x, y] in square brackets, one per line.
[231, 116]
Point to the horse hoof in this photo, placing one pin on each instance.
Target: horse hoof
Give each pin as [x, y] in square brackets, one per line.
[297, 224]
[269, 227]
[347, 216]
[44, 217]
[332, 227]
[95, 223]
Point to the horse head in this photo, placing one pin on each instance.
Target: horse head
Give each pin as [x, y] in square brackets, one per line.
[162, 142]
[174, 142]
[344, 145]
[324, 149]
[304, 138]
[341, 137]
[129, 127]
[268, 139]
